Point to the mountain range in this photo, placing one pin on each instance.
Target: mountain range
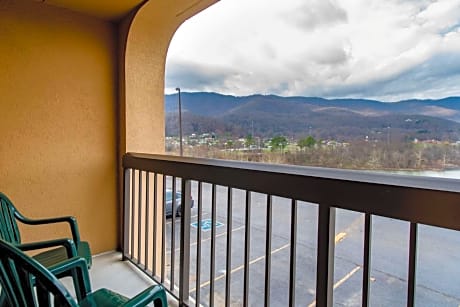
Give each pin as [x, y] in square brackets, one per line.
[339, 119]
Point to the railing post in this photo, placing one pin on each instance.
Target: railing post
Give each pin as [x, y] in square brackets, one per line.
[126, 206]
[367, 259]
[325, 256]
[411, 280]
[293, 253]
[184, 288]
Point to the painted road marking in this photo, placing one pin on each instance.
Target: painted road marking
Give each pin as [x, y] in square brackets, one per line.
[346, 277]
[241, 267]
[208, 239]
[176, 288]
[340, 282]
[178, 219]
[206, 224]
[217, 236]
[338, 238]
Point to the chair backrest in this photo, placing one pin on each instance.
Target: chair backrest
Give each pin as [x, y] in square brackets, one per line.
[24, 282]
[9, 230]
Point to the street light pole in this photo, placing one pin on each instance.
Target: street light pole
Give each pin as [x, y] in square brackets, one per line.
[180, 122]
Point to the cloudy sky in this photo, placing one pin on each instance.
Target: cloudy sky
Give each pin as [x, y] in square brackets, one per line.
[380, 49]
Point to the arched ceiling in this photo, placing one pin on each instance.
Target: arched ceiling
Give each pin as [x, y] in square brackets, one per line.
[104, 9]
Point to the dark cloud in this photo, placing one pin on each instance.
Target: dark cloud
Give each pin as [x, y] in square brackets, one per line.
[313, 14]
[437, 77]
[197, 76]
[279, 88]
[330, 48]
[336, 55]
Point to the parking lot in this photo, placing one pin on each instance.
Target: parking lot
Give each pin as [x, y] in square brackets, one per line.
[437, 270]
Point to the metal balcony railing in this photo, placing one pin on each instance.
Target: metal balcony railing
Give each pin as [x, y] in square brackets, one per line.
[244, 204]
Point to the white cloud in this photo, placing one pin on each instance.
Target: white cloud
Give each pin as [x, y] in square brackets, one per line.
[330, 48]
[312, 14]
[440, 16]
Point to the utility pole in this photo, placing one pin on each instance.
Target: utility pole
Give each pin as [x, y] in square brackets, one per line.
[180, 122]
[388, 134]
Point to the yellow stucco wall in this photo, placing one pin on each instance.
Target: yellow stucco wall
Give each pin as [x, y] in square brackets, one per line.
[58, 110]
[78, 91]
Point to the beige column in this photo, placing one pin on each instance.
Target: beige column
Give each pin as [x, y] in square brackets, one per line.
[145, 38]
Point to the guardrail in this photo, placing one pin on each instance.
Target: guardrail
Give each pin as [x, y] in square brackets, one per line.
[418, 200]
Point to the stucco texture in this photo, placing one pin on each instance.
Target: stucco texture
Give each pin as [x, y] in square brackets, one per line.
[81, 83]
[58, 119]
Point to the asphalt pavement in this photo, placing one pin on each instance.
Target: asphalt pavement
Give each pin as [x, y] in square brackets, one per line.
[438, 269]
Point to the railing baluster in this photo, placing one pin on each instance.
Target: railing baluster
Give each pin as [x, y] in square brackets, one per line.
[412, 264]
[198, 245]
[173, 234]
[277, 181]
[163, 233]
[268, 249]
[293, 253]
[155, 224]
[213, 247]
[133, 206]
[185, 242]
[367, 258]
[147, 207]
[247, 245]
[325, 256]
[139, 219]
[228, 265]
[126, 211]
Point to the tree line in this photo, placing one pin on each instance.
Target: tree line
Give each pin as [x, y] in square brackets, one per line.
[354, 155]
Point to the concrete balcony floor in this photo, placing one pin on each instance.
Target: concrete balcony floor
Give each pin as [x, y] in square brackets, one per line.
[109, 271]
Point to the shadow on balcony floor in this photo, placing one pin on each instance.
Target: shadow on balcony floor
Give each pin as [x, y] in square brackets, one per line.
[108, 271]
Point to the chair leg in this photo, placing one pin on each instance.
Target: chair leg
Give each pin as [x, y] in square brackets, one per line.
[77, 286]
[43, 296]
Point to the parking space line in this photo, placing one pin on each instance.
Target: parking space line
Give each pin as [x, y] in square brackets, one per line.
[346, 277]
[191, 217]
[219, 235]
[241, 267]
[176, 288]
[338, 238]
[340, 282]
[209, 239]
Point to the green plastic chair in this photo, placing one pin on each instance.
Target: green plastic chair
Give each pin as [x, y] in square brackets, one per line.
[25, 282]
[62, 249]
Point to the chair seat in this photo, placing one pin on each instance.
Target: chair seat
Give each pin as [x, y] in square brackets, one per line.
[25, 282]
[56, 255]
[104, 297]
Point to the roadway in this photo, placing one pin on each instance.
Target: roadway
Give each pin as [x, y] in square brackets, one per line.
[438, 276]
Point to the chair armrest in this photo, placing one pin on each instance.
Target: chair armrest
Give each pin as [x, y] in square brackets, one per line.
[67, 243]
[72, 221]
[78, 269]
[148, 296]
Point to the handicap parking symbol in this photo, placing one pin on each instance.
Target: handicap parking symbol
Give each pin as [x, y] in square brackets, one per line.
[206, 224]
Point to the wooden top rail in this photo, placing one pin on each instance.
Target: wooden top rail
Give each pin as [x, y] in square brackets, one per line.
[426, 200]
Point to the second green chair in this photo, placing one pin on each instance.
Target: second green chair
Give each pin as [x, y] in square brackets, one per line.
[24, 282]
[58, 249]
